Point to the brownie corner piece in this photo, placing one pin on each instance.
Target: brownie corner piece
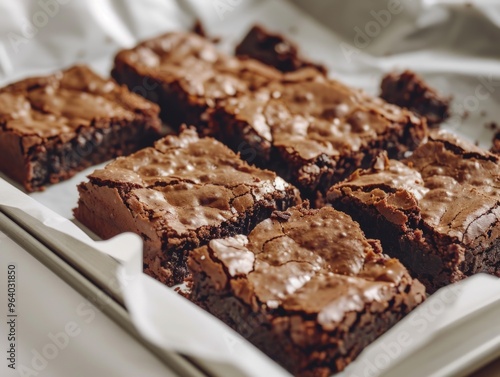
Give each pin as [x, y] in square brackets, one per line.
[436, 211]
[306, 287]
[407, 89]
[54, 126]
[178, 195]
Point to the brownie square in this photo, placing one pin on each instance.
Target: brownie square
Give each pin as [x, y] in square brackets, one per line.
[178, 195]
[409, 90]
[187, 76]
[273, 49]
[52, 127]
[437, 211]
[314, 131]
[306, 287]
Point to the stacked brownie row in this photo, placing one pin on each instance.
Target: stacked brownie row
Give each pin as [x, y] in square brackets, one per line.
[295, 281]
[311, 130]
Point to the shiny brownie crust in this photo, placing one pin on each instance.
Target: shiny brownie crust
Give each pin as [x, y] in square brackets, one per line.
[311, 130]
[54, 126]
[178, 195]
[306, 287]
[436, 211]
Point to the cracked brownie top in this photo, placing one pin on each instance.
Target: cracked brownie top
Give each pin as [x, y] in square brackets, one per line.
[186, 182]
[450, 187]
[303, 260]
[58, 105]
[195, 64]
[308, 115]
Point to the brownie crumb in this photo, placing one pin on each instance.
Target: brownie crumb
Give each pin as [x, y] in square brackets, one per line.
[409, 90]
[199, 29]
[185, 290]
[437, 211]
[279, 215]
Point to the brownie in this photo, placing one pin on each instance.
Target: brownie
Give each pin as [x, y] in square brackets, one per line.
[437, 211]
[273, 49]
[306, 287]
[54, 126]
[178, 195]
[314, 131]
[409, 90]
[187, 76]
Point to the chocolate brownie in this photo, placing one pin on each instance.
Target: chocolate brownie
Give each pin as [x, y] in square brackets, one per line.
[437, 211]
[409, 90]
[52, 127]
[306, 287]
[314, 131]
[274, 50]
[186, 75]
[178, 195]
